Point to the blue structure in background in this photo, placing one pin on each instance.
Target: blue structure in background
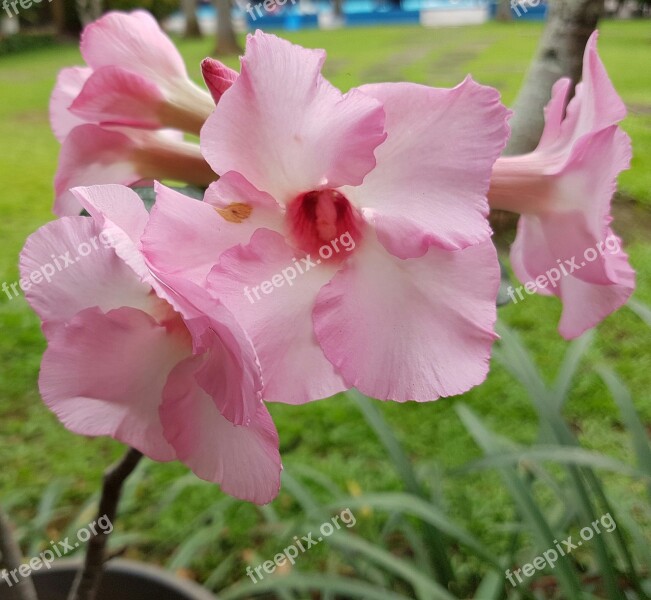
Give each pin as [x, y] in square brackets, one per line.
[357, 12]
[312, 14]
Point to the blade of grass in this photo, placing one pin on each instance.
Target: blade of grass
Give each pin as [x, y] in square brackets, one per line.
[568, 455]
[549, 407]
[417, 507]
[523, 500]
[630, 418]
[435, 539]
[425, 587]
[346, 587]
[569, 366]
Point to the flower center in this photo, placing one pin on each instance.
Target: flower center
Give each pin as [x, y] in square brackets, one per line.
[318, 218]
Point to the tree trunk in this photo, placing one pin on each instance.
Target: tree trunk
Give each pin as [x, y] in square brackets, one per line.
[226, 38]
[559, 54]
[89, 11]
[189, 8]
[504, 13]
[66, 19]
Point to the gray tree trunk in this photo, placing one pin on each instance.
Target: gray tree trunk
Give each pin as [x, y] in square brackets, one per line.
[226, 38]
[189, 8]
[559, 54]
[89, 11]
[66, 19]
[503, 12]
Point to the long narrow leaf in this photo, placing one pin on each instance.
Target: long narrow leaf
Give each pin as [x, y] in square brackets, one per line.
[417, 507]
[348, 588]
[523, 500]
[630, 418]
[435, 539]
[427, 588]
[568, 455]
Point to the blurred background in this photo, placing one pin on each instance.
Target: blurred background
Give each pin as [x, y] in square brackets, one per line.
[447, 495]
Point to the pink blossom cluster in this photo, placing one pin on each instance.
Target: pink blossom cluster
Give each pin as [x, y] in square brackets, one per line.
[151, 339]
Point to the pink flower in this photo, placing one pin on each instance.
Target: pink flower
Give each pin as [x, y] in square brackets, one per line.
[111, 115]
[135, 77]
[395, 176]
[130, 359]
[564, 245]
[92, 155]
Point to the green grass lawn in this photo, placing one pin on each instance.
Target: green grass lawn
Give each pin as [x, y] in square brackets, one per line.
[329, 436]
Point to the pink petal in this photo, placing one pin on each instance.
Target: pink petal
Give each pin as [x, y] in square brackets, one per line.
[555, 112]
[585, 305]
[91, 155]
[69, 83]
[232, 188]
[567, 222]
[279, 323]
[314, 137]
[595, 105]
[121, 214]
[530, 254]
[116, 96]
[83, 269]
[133, 41]
[432, 174]
[199, 231]
[427, 334]
[218, 77]
[583, 185]
[231, 371]
[244, 460]
[95, 390]
[184, 236]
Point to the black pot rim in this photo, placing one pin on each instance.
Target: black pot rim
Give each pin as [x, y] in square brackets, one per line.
[136, 568]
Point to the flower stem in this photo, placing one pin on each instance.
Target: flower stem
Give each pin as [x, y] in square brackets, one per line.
[87, 582]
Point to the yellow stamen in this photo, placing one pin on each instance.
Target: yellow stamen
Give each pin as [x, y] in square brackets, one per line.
[235, 212]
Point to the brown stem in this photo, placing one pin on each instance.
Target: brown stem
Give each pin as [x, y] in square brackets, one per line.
[23, 589]
[89, 577]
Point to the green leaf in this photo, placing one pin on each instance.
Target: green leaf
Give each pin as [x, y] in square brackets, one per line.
[346, 587]
[426, 588]
[417, 507]
[560, 454]
[491, 586]
[569, 366]
[549, 407]
[641, 310]
[523, 499]
[435, 540]
[503, 297]
[630, 418]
